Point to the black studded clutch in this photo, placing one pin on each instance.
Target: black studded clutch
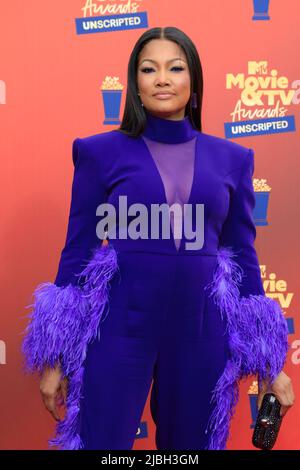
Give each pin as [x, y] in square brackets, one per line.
[267, 423]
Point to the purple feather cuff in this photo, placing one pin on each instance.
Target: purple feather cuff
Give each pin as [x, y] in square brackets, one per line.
[258, 342]
[62, 323]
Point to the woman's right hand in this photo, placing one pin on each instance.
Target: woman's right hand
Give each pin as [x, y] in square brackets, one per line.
[53, 390]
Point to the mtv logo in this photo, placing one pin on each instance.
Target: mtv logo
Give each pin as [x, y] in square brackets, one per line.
[260, 68]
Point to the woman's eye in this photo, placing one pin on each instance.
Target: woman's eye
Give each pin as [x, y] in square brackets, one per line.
[145, 69]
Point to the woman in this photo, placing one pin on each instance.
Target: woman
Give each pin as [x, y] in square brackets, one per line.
[125, 310]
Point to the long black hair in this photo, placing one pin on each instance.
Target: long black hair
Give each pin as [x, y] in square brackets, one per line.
[134, 116]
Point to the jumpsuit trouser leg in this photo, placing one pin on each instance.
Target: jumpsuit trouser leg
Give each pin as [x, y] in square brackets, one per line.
[161, 325]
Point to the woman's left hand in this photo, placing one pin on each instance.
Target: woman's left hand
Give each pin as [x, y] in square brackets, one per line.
[283, 390]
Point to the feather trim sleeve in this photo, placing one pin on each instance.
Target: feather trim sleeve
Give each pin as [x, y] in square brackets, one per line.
[257, 329]
[65, 314]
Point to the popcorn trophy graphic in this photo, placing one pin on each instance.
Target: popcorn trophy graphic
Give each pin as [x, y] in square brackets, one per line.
[262, 193]
[111, 94]
[253, 396]
[261, 8]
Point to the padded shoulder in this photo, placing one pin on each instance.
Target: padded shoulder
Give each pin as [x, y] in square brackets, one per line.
[228, 155]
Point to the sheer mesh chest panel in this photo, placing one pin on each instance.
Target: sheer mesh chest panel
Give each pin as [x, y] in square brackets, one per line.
[175, 164]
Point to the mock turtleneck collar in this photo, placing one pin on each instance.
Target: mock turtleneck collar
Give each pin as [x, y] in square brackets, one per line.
[169, 131]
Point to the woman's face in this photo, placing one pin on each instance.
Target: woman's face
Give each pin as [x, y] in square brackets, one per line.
[163, 67]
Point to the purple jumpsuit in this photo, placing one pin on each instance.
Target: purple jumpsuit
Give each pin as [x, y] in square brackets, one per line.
[159, 322]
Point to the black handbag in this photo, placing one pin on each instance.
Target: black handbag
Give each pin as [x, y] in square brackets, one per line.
[268, 423]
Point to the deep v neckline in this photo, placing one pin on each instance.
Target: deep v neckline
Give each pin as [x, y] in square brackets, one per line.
[162, 187]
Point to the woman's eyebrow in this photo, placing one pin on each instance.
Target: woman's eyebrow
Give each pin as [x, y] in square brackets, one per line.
[168, 61]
